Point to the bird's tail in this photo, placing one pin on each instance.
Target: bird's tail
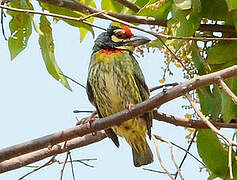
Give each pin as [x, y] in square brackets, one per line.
[142, 158]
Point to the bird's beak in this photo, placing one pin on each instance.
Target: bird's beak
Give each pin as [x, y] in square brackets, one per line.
[135, 41]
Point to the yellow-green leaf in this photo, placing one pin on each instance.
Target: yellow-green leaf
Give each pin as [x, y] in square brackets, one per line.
[20, 27]
[76, 14]
[185, 23]
[47, 50]
[183, 4]
[232, 4]
[157, 9]
[111, 5]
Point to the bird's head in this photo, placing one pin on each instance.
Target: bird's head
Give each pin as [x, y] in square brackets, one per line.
[118, 37]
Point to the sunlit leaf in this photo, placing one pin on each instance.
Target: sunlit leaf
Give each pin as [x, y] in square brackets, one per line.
[185, 23]
[232, 4]
[47, 49]
[20, 27]
[155, 44]
[36, 27]
[183, 4]
[111, 5]
[68, 12]
[157, 9]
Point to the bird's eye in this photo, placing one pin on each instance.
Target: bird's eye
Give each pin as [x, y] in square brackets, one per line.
[120, 34]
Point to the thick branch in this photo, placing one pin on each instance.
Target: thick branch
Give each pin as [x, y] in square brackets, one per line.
[130, 18]
[26, 159]
[118, 118]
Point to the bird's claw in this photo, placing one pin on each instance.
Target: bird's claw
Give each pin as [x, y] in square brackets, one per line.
[129, 106]
[89, 120]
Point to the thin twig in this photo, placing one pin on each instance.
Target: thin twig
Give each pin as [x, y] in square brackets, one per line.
[52, 15]
[161, 86]
[71, 162]
[187, 151]
[152, 170]
[161, 139]
[73, 80]
[93, 14]
[210, 125]
[52, 160]
[230, 161]
[172, 156]
[3, 31]
[83, 111]
[159, 157]
[63, 167]
[79, 161]
[223, 86]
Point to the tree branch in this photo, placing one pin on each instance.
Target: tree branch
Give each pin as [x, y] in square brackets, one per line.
[189, 123]
[130, 18]
[117, 118]
[29, 158]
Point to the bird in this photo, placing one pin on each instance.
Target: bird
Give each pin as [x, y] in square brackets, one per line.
[115, 82]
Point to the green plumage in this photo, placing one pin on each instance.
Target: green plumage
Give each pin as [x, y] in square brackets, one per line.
[115, 80]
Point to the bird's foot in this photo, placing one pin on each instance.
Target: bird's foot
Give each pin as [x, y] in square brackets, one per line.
[129, 106]
[89, 120]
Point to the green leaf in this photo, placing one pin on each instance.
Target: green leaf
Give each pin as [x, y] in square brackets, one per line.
[210, 101]
[76, 14]
[215, 155]
[156, 9]
[47, 50]
[183, 4]
[185, 23]
[155, 44]
[212, 152]
[111, 5]
[216, 10]
[229, 108]
[198, 61]
[20, 27]
[222, 52]
[232, 4]
[36, 27]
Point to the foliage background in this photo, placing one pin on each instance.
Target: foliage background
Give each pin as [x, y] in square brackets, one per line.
[33, 104]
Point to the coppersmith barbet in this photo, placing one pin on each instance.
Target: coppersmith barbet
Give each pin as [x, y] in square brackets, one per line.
[116, 80]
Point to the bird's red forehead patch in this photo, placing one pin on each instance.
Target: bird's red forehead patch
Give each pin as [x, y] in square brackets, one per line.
[127, 30]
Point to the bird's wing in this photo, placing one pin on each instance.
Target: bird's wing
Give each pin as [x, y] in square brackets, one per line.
[144, 92]
[109, 132]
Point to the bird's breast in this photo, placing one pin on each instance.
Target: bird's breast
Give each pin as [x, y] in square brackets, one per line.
[112, 81]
